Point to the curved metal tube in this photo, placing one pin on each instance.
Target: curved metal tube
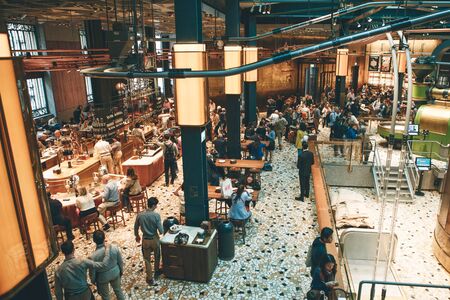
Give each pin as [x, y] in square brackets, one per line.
[98, 72]
[339, 13]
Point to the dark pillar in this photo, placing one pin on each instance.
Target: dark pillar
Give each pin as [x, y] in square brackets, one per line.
[103, 90]
[355, 73]
[188, 24]
[401, 77]
[166, 66]
[340, 91]
[250, 87]
[314, 78]
[37, 288]
[232, 25]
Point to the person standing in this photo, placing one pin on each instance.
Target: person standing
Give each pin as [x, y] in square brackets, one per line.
[57, 216]
[170, 152]
[280, 126]
[77, 114]
[110, 198]
[112, 273]
[304, 163]
[319, 248]
[138, 136]
[149, 222]
[70, 276]
[116, 151]
[103, 152]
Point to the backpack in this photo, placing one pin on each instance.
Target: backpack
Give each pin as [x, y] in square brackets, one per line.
[169, 154]
[267, 167]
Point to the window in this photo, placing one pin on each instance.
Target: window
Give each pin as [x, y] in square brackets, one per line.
[87, 80]
[24, 37]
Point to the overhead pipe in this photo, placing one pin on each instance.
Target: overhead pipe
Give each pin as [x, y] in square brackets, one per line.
[339, 13]
[389, 153]
[284, 56]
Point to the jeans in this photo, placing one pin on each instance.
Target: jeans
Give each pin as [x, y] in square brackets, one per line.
[86, 295]
[103, 289]
[170, 165]
[279, 136]
[149, 246]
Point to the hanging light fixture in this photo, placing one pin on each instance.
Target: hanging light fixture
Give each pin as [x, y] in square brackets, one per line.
[401, 61]
[233, 83]
[341, 62]
[251, 56]
[191, 94]
[26, 243]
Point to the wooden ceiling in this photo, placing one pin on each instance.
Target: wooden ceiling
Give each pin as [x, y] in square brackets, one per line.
[157, 12]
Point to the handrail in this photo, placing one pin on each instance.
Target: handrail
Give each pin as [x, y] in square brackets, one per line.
[383, 296]
[430, 153]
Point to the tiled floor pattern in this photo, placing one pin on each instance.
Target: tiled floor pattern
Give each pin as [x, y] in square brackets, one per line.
[271, 263]
[269, 266]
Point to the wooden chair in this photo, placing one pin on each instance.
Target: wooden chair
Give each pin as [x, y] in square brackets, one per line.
[221, 209]
[87, 221]
[59, 231]
[239, 224]
[137, 202]
[115, 214]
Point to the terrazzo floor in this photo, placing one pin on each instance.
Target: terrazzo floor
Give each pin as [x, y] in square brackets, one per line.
[269, 266]
[271, 263]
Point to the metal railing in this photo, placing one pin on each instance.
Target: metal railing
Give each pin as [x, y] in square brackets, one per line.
[378, 168]
[430, 149]
[373, 283]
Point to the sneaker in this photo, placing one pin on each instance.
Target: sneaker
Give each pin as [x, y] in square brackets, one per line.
[151, 282]
[106, 227]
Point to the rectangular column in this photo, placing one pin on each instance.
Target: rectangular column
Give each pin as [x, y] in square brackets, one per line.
[340, 91]
[250, 87]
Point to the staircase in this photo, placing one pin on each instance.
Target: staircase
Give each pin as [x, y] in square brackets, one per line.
[407, 183]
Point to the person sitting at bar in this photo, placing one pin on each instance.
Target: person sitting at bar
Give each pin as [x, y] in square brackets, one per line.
[132, 188]
[110, 197]
[220, 144]
[239, 201]
[103, 152]
[57, 216]
[70, 276]
[86, 205]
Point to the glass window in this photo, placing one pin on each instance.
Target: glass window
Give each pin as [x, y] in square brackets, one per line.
[87, 80]
[24, 37]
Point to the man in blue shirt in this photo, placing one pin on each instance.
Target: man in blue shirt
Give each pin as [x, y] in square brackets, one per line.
[111, 273]
[110, 198]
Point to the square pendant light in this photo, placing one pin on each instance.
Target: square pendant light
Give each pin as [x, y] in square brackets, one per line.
[233, 59]
[341, 62]
[191, 94]
[251, 56]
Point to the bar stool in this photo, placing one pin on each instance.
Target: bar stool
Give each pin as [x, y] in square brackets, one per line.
[221, 209]
[59, 231]
[256, 173]
[239, 224]
[87, 221]
[116, 214]
[138, 202]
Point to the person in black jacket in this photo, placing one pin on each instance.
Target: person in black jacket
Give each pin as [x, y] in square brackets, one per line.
[304, 163]
[58, 218]
[319, 249]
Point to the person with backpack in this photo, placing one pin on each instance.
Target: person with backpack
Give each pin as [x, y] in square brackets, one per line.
[170, 153]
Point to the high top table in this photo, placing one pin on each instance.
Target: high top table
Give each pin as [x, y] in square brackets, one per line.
[240, 163]
[194, 262]
[147, 168]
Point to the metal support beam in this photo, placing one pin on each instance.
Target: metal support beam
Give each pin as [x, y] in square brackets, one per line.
[188, 25]
[233, 105]
[355, 73]
[250, 87]
[340, 91]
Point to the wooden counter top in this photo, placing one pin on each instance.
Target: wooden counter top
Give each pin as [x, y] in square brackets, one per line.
[143, 161]
[240, 163]
[78, 166]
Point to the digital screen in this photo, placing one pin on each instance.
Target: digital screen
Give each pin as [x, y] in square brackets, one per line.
[413, 129]
[423, 163]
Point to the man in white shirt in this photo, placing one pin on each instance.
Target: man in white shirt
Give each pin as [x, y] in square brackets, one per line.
[274, 117]
[103, 152]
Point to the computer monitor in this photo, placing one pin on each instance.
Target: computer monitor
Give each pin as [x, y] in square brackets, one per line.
[413, 129]
[423, 163]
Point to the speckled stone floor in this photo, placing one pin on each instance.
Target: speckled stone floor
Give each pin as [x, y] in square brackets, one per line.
[269, 266]
[271, 263]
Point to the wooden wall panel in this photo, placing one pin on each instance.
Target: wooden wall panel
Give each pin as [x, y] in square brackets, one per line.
[69, 89]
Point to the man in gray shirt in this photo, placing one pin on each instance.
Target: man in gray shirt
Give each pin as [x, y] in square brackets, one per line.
[110, 274]
[110, 198]
[70, 276]
[150, 223]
